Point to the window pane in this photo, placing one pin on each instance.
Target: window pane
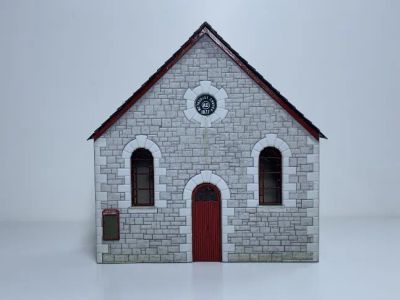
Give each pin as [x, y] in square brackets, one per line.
[270, 176]
[143, 181]
[272, 164]
[272, 196]
[143, 197]
[142, 153]
[142, 177]
[142, 167]
[271, 180]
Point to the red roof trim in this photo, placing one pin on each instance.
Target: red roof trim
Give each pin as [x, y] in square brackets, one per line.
[205, 28]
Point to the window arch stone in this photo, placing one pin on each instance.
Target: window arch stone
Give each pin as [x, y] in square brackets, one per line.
[141, 141]
[271, 140]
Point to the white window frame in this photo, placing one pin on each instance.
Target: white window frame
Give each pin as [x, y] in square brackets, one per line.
[271, 140]
[141, 141]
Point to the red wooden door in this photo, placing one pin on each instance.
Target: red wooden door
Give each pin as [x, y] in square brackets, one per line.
[206, 223]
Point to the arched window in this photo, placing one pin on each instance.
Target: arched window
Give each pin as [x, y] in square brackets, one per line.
[270, 176]
[142, 178]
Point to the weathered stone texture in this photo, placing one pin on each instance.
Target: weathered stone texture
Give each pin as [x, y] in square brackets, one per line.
[259, 233]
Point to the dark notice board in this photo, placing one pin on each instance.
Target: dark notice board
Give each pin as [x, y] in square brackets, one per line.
[110, 225]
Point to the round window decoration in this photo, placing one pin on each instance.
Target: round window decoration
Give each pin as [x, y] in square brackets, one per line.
[205, 104]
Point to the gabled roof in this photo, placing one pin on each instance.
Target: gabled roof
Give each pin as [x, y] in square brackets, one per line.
[206, 28]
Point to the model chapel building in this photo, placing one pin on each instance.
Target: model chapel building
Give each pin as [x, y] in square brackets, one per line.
[207, 161]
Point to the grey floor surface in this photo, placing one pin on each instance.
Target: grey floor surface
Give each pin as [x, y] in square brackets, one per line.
[360, 259]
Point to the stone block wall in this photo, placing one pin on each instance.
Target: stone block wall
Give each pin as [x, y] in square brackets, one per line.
[189, 153]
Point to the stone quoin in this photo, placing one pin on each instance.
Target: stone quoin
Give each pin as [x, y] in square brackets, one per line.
[207, 162]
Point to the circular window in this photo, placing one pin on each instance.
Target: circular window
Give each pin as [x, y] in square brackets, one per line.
[205, 104]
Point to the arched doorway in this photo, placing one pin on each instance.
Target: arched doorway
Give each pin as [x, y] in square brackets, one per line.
[206, 223]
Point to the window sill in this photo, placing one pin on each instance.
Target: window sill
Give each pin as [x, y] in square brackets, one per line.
[142, 209]
[279, 207]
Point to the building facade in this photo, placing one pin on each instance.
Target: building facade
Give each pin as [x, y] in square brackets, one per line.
[207, 162]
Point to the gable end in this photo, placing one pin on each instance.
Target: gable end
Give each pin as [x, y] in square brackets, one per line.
[205, 28]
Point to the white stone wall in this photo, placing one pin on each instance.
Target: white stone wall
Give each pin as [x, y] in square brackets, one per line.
[187, 153]
[100, 179]
[313, 199]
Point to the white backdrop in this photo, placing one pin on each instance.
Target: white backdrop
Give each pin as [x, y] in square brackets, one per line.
[65, 66]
